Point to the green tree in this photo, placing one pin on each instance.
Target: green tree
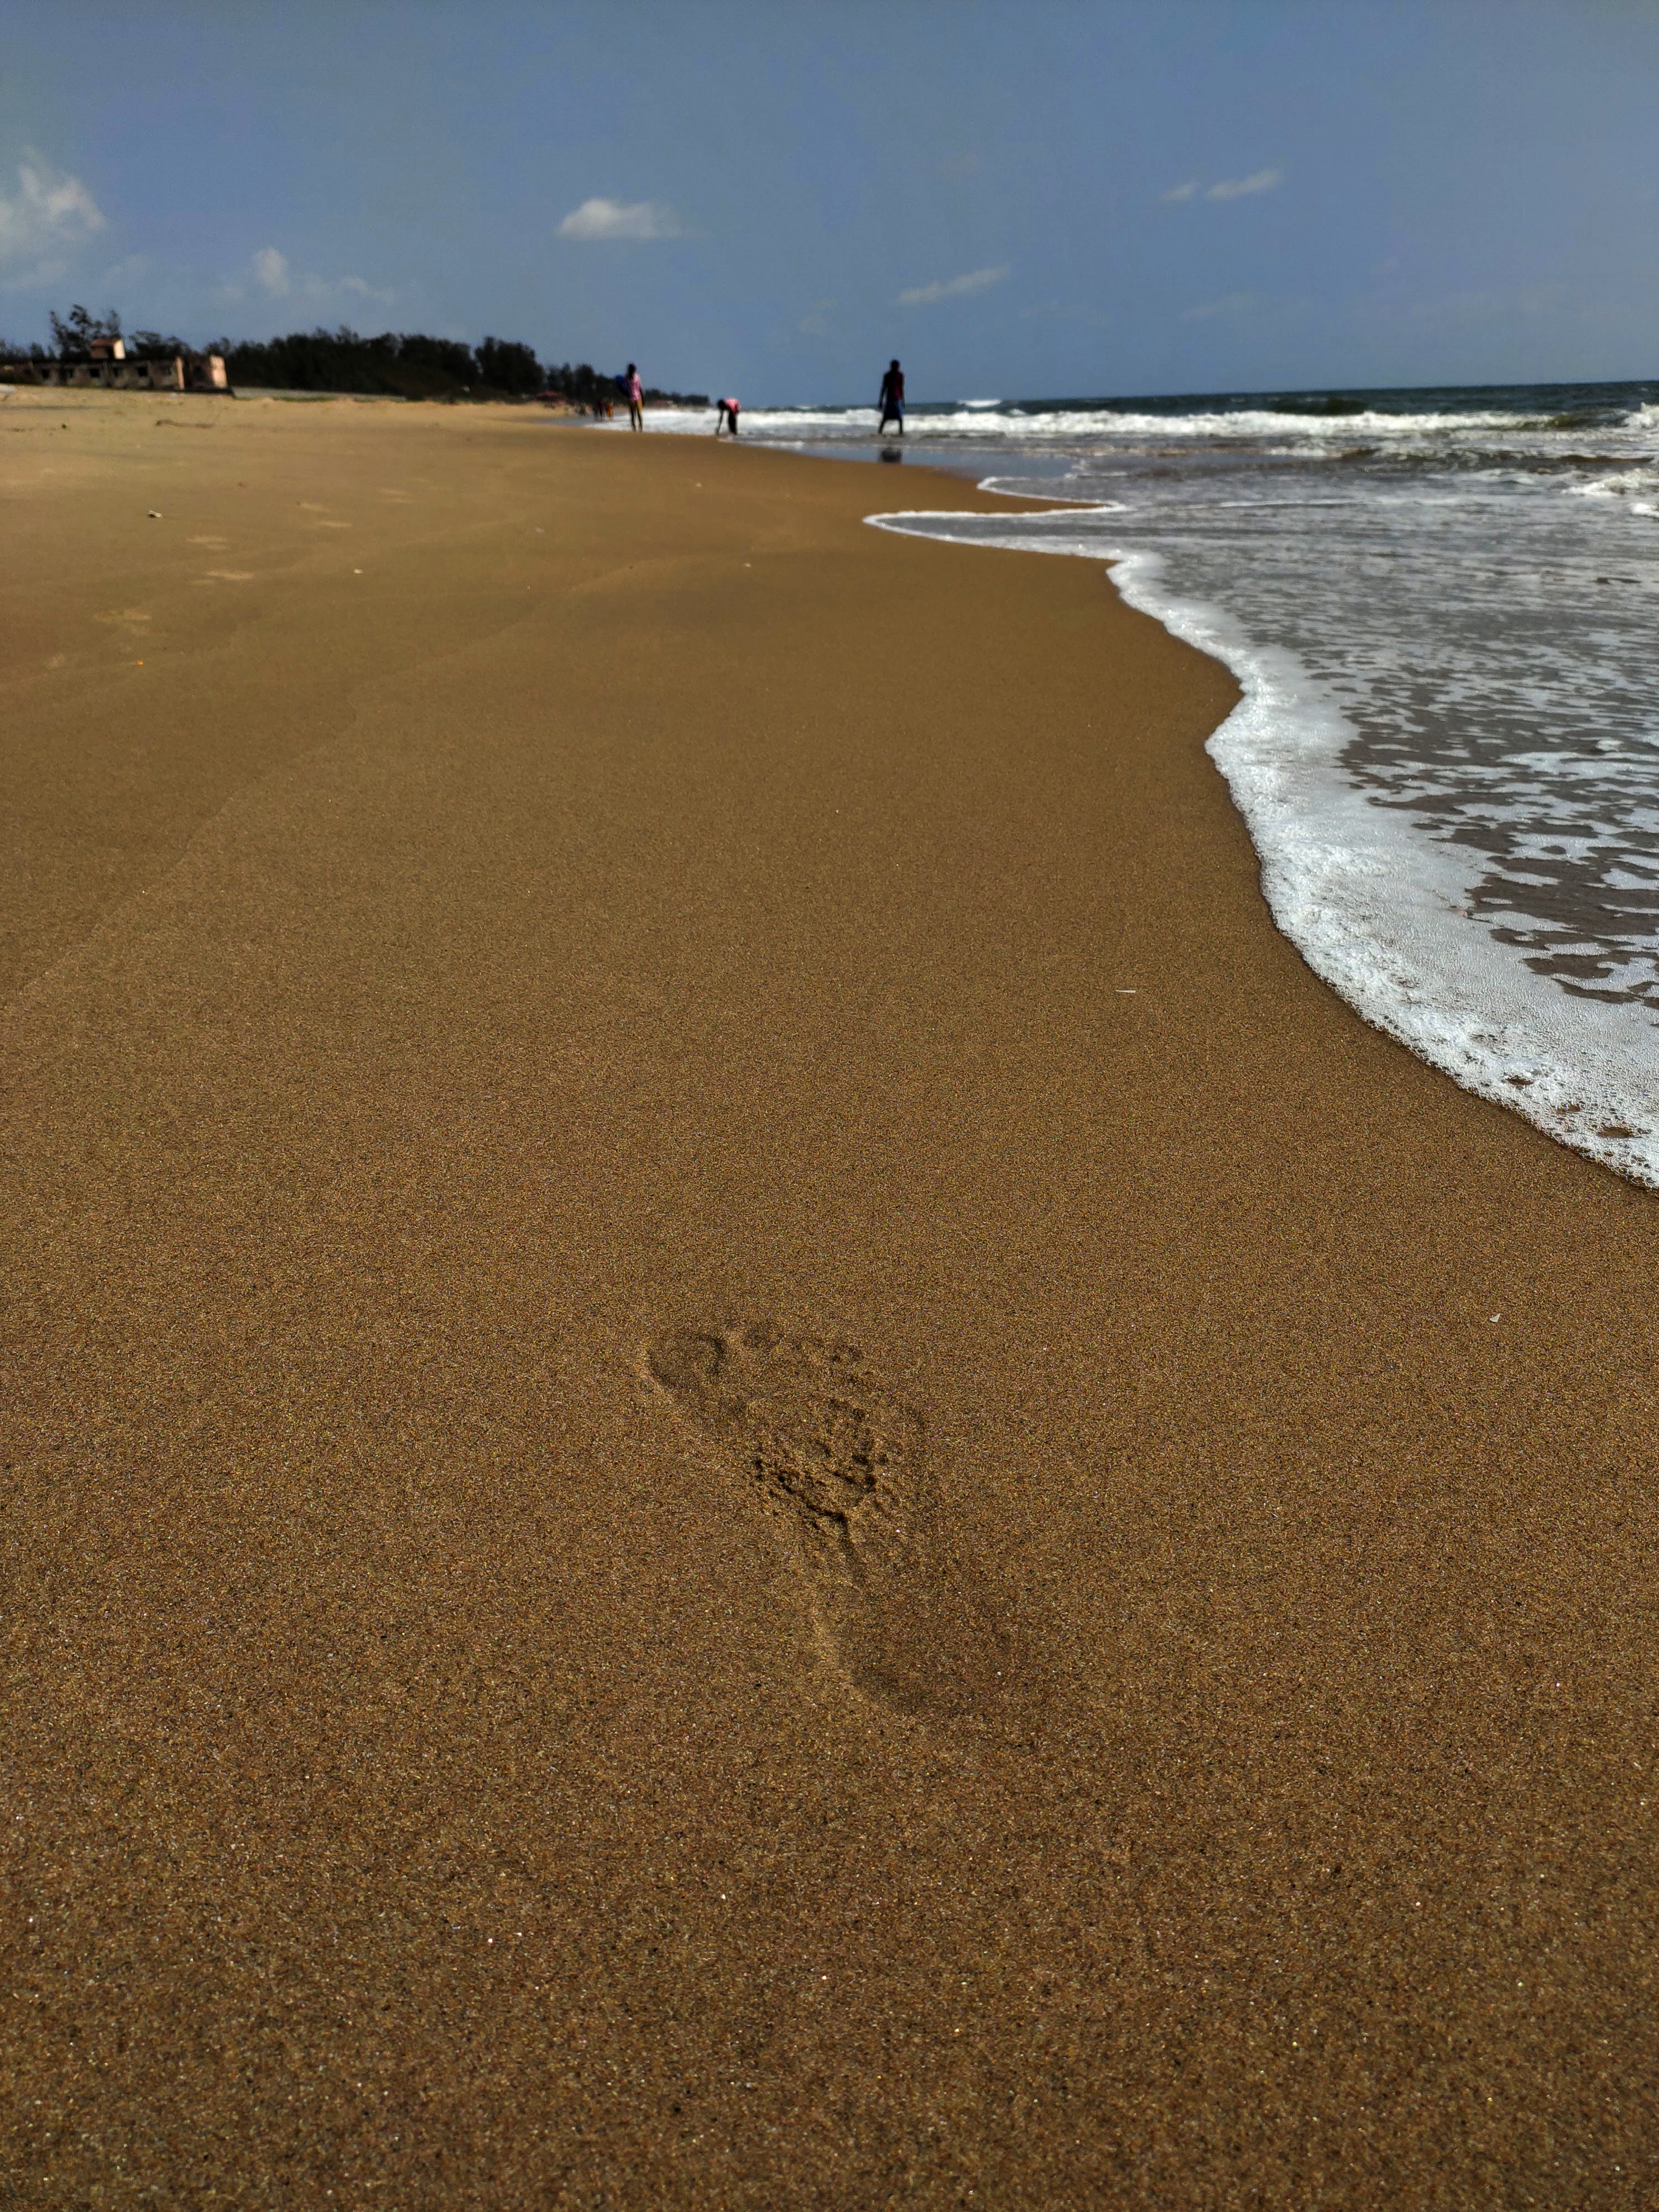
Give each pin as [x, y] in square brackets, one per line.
[74, 338]
[506, 365]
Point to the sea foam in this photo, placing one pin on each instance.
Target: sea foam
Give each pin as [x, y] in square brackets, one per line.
[1440, 607]
[1380, 915]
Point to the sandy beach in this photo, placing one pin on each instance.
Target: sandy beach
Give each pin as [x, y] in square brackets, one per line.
[749, 1460]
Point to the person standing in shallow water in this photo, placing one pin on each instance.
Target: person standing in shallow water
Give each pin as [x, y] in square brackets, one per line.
[635, 399]
[892, 397]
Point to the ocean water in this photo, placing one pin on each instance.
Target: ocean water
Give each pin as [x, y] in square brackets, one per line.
[1442, 607]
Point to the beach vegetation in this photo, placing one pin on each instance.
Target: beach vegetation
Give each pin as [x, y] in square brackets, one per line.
[152, 345]
[506, 366]
[72, 335]
[409, 365]
[395, 364]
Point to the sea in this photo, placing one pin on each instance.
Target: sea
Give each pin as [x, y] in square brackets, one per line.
[1441, 606]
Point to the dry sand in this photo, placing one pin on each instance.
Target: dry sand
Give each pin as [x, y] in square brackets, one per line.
[524, 948]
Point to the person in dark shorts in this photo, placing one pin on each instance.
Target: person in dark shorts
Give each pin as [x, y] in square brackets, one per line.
[635, 392]
[727, 418]
[892, 397]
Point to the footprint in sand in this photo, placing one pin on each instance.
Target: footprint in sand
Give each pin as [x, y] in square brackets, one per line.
[841, 1470]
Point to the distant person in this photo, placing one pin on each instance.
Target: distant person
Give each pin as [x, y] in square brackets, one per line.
[635, 392]
[892, 397]
[727, 418]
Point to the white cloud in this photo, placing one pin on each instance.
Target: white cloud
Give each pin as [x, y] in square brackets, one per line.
[953, 288]
[49, 212]
[633, 220]
[276, 277]
[1228, 188]
[1235, 188]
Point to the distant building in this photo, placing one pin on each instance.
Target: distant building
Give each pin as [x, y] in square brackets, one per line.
[112, 368]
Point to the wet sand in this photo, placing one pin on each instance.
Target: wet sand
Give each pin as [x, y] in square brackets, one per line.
[749, 1460]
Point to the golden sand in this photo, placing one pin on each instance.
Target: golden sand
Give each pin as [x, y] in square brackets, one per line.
[749, 1460]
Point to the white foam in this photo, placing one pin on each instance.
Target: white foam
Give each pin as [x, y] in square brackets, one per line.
[1379, 912]
[981, 421]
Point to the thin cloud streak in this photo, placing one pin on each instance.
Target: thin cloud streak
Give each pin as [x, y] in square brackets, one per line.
[634, 222]
[1228, 188]
[953, 288]
[1236, 188]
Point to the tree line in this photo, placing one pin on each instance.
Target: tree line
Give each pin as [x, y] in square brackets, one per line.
[72, 336]
[397, 364]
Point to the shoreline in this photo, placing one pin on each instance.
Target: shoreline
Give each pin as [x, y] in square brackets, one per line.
[1573, 1069]
[518, 953]
[1379, 924]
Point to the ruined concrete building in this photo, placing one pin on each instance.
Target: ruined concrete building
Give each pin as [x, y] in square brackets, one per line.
[110, 365]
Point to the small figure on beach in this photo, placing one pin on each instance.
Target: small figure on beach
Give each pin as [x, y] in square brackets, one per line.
[635, 399]
[892, 397]
[726, 419]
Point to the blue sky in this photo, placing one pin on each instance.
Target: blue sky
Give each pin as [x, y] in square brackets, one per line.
[1043, 200]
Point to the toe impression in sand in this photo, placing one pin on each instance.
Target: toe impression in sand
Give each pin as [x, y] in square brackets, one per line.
[840, 1468]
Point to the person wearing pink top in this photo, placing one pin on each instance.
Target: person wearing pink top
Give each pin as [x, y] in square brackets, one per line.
[635, 399]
